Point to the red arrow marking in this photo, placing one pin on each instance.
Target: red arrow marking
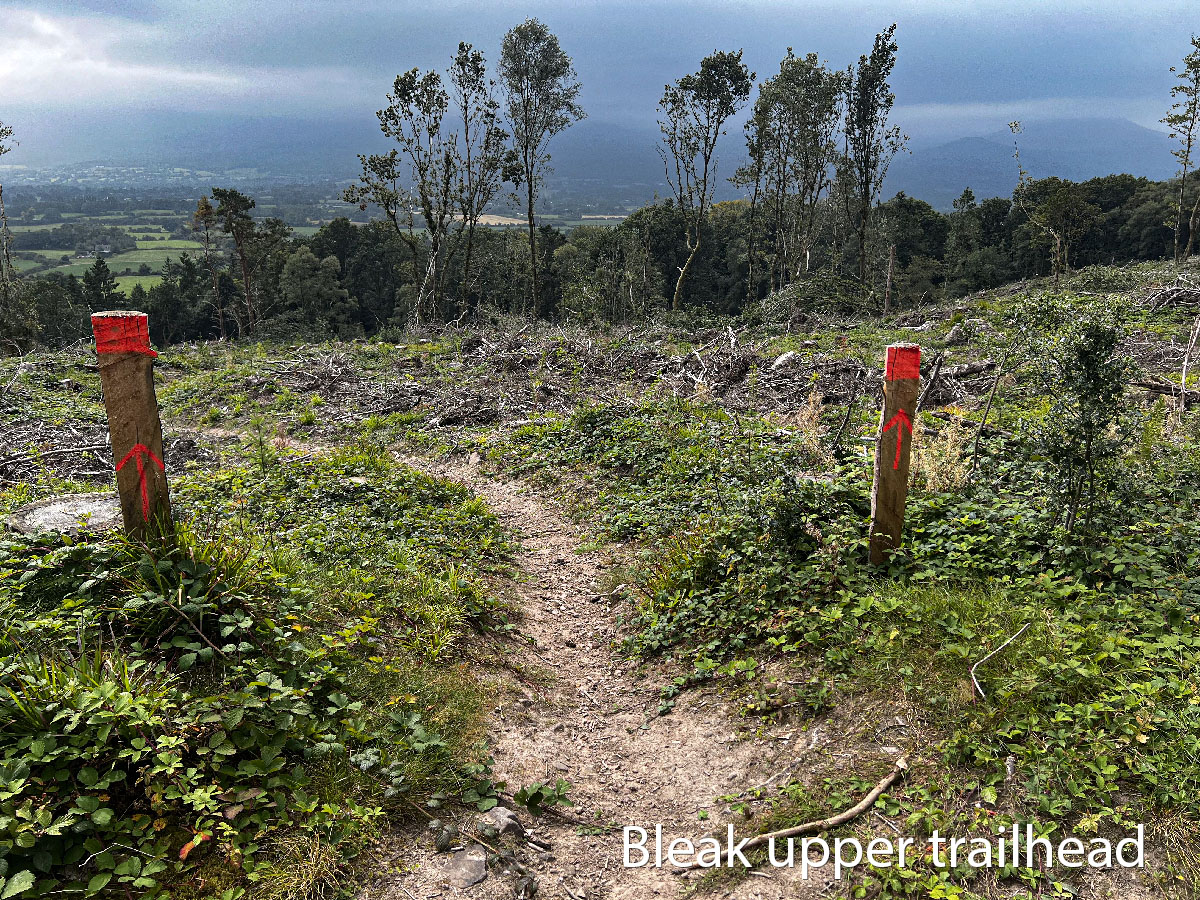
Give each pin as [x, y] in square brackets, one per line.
[138, 454]
[901, 421]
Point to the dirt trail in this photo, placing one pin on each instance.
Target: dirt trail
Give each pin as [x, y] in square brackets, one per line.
[593, 721]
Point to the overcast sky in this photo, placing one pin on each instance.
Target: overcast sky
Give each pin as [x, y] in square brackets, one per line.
[965, 67]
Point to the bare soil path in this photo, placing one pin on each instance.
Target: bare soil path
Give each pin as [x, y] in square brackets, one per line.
[592, 719]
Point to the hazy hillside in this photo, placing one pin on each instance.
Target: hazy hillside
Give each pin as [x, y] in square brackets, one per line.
[597, 162]
[1077, 149]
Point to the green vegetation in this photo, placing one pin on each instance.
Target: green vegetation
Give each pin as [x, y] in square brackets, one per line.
[285, 678]
[742, 496]
[275, 683]
[1077, 539]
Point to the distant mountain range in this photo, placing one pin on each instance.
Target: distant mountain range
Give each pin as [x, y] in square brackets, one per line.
[598, 164]
[593, 155]
[1077, 149]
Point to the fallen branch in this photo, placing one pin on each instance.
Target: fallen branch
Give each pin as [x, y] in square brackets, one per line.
[990, 655]
[1187, 358]
[1166, 388]
[17, 374]
[42, 454]
[933, 376]
[850, 404]
[975, 368]
[833, 821]
[990, 430]
[988, 408]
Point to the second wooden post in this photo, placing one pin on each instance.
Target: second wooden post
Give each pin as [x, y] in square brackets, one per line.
[889, 491]
[127, 375]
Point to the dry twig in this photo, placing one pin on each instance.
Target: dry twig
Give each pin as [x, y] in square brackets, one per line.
[832, 821]
[990, 655]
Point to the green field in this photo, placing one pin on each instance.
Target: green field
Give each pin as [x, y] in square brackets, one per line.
[76, 268]
[150, 229]
[169, 245]
[155, 259]
[126, 282]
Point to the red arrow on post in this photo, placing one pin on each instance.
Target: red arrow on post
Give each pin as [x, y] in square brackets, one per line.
[889, 487]
[138, 454]
[899, 421]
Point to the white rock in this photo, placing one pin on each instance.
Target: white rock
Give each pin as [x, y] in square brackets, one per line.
[783, 359]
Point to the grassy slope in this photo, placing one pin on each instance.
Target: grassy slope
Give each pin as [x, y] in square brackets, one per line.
[752, 523]
[270, 692]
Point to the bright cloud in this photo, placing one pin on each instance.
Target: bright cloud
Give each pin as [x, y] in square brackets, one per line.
[67, 61]
[49, 60]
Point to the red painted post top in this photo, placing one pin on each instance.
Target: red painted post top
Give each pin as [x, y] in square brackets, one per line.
[903, 361]
[122, 331]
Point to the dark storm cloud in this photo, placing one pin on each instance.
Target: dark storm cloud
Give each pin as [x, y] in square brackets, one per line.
[963, 66]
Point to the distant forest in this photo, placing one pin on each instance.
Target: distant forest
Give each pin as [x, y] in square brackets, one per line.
[811, 231]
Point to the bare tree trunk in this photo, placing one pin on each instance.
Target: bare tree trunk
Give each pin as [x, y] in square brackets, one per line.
[750, 243]
[1187, 360]
[1193, 223]
[216, 285]
[863, 222]
[423, 292]
[6, 264]
[468, 302]
[677, 300]
[533, 262]
[1179, 211]
[887, 293]
[247, 290]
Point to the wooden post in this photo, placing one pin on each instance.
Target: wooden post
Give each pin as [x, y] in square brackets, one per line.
[889, 491]
[127, 375]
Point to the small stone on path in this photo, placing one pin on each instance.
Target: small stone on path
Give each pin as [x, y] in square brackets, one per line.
[466, 867]
[505, 820]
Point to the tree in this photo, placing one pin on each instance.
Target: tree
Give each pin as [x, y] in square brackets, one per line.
[374, 273]
[454, 170]
[313, 293]
[482, 157]
[1077, 352]
[871, 142]
[1060, 215]
[413, 118]
[694, 110]
[204, 223]
[1184, 122]
[963, 240]
[608, 272]
[381, 184]
[61, 309]
[269, 247]
[179, 306]
[791, 145]
[751, 175]
[18, 311]
[233, 210]
[541, 99]
[7, 271]
[100, 289]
